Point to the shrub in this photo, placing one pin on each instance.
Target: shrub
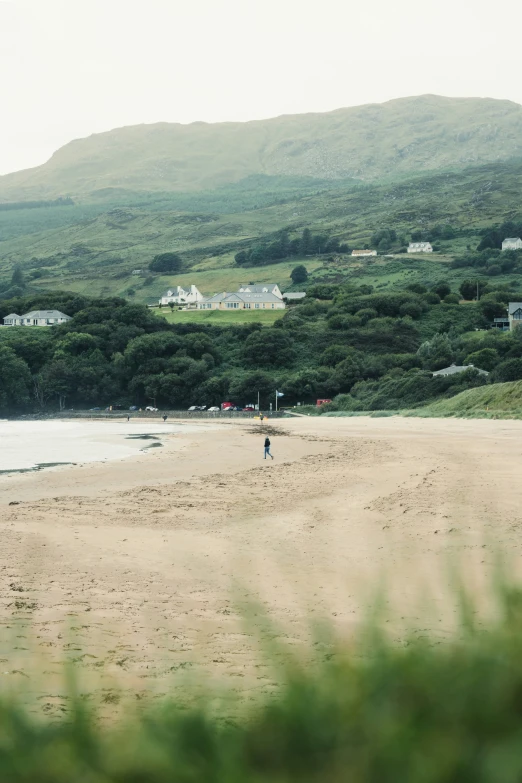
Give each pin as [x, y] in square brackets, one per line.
[166, 262]
[510, 370]
[412, 309]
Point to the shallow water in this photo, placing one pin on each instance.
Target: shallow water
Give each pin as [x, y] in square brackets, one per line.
[26, 445]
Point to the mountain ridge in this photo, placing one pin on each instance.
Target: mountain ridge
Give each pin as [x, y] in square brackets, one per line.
[367, 143]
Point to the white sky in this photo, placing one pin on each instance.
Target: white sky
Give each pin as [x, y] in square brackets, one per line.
[69, 68]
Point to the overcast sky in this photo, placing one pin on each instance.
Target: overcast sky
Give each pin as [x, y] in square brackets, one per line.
[69, 68]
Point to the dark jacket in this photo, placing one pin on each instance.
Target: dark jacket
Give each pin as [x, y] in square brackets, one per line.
[267, 443]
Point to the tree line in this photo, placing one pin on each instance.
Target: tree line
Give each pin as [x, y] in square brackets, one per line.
[8, 206]
[282, 246]
[379, 348]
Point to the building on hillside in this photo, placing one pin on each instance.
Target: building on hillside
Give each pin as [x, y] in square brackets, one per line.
[455, 368]
[502, 324]
[263, 288]
[512, 243]
[362, 253]
[420, 247]
[294, 296]
[37, 318]
[514, 315]
[137, 271]
[242, 301]
[181, 296]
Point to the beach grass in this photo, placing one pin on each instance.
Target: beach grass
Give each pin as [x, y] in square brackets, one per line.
[366, 711]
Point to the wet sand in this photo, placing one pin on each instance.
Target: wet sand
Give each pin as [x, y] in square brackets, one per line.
[139, 567]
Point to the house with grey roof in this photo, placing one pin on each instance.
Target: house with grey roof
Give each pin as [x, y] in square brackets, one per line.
[453, 369]
[294, 296]
[261, 288]
[37, 318]
[243, 301]
[12, 319]
[514, 315]
[181, 296]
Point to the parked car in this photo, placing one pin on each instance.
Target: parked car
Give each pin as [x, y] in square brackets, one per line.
[151, 409]
[214, 409]
[249, 408]
[323, 402]
[95, 409]
[193, 408]
[225, 406]
[202, 407]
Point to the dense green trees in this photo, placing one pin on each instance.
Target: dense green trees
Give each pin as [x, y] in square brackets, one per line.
[15, 380]
[299, 274]
[378, 348]
[166, 262]
[281, 247]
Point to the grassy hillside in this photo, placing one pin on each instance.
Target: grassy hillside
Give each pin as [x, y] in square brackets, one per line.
[501, 398]
[93, 248]
[365, 142]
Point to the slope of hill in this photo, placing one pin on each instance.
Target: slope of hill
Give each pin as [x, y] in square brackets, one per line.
[366, 142]
[504, 399]
[94, 248]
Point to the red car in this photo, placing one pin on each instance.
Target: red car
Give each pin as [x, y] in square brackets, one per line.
[323, 402]
[249, 408]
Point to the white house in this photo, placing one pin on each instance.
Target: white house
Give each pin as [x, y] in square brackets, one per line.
[364, 252]
[512, 243]
[245, 301]
[420, 247]
[248, 297]
[37, 318]
[181, 296]
[263, 288]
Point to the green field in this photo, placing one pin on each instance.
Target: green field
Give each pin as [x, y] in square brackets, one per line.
[220, 317]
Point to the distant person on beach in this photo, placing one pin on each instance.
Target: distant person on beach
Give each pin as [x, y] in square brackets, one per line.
[267, 447]
[164, 417]
[128, 417]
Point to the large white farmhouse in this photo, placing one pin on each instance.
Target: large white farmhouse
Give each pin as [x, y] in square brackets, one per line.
[249, 297]
[420, 247]
[37, 318]
[181, 296]
[263, 288]
[512, 243]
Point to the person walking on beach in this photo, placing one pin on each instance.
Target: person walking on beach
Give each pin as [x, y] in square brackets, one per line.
[164, 417]
[267, 447]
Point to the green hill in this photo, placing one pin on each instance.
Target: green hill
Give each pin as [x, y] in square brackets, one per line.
[400, 137]
[497, 398]
[94, 247]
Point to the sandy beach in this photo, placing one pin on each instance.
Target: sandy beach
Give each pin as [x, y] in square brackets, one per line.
[140, 567]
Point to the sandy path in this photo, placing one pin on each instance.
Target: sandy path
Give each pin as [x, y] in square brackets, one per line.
[147, 559]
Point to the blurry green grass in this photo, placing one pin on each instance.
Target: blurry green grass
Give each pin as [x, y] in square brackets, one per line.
[372, 711]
